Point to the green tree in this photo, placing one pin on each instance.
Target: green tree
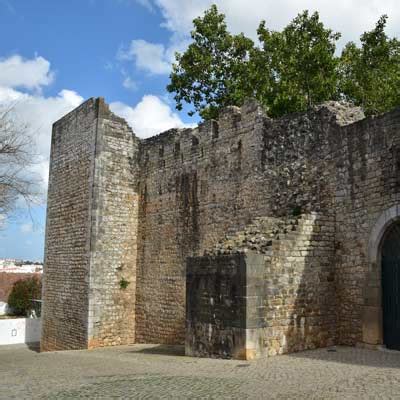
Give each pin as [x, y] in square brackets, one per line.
[301, 62]
[370, 75]
[213, 71]
[290, 71]
[22, 294]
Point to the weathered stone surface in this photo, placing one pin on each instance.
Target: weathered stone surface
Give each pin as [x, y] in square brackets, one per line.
[91, 232]
[114, 230]
[288, 292]
[224, 295]
[67, 253]
[304, 191]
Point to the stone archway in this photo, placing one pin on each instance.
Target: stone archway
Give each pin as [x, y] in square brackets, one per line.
[372, 319]
[390, 251]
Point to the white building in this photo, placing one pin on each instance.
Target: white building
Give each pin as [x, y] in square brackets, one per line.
[20, 266]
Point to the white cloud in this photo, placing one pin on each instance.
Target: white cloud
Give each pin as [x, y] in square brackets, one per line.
[179, 14]
[350, 17]
[38, 113]
[33, 110]
[149, 117]
[154, 58]
[17, 72]
[147, 56]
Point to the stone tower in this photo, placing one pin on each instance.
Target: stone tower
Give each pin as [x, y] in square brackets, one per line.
[91, 231]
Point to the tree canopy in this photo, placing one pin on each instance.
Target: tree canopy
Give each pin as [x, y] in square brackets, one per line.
[22, 294]
[212, 72]
[287, 71]
[370, 75]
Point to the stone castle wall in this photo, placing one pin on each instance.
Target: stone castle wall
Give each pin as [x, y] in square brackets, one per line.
[283, 301]
[196, 185]
[91, 231]
[142, 207]
[368, 183]
[300, 305]
[224, 297]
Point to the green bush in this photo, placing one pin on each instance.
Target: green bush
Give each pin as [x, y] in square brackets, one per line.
[123, 283]
[22, 293]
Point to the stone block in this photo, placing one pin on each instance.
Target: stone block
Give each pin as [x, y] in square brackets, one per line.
[221, 307]
[372, 325]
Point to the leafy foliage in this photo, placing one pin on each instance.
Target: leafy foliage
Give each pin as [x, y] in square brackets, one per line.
[291, 70]
[301, 65]
[22, 293]
[123, 283]
[212, 72]
[370, 75]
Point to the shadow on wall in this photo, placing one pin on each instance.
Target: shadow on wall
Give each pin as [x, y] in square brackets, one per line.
[300, 287]
[268, 290]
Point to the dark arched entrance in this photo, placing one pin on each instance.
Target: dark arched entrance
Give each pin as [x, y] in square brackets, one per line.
[391, 287]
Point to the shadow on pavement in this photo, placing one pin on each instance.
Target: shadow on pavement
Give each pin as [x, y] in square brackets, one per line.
[162, 349]
[353, 355]
[35, 346]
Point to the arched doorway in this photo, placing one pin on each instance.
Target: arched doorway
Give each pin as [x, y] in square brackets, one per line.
[383, 234]
[390, 256]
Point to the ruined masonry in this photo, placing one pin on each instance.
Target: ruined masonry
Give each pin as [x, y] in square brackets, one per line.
[244, 237]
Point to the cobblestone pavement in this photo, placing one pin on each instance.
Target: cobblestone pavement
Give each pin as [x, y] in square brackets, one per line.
[162, 372]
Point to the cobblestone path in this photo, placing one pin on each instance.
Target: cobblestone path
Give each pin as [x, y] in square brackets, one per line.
[162, 372]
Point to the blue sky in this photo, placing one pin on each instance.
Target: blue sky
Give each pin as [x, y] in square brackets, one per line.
[80, 39]
[55, 54]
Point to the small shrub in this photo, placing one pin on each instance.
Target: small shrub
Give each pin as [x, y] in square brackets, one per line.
[22, 293]
[123, 283]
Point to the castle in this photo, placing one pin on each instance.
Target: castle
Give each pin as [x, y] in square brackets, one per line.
[242, 238]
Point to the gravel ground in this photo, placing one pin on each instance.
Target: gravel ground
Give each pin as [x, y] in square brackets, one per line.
[162, 372]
